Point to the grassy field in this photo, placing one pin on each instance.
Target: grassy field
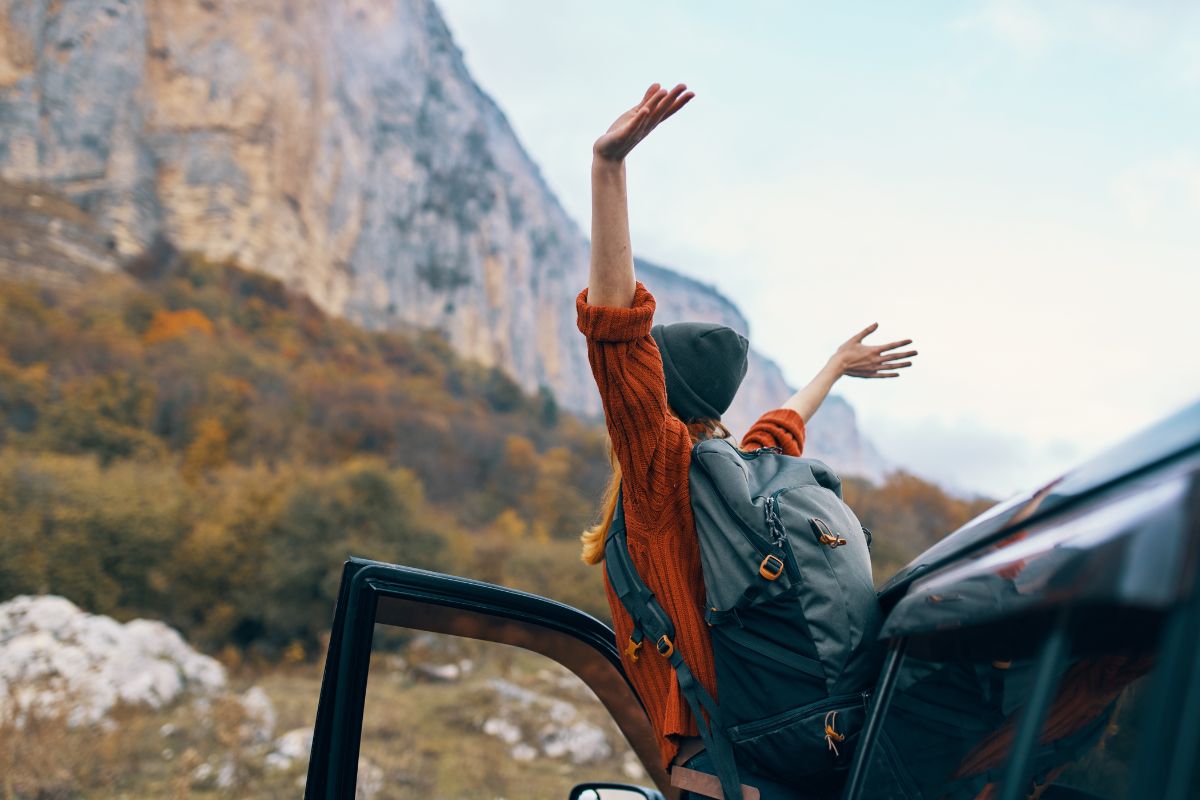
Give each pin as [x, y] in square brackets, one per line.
[423, 736]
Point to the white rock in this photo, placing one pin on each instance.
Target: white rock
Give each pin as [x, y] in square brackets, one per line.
[581, 742]
[502, 729]
[202, 708]
[370, 780]
[559, 711]
[524, 752]
[564, 734]
[276, 761]
[223, 776]
[55, 658]
[291, 747]
[446, 673]
[226, 774]
[259, 725]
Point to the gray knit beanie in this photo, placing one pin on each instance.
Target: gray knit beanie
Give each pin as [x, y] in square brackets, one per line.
[704, 365]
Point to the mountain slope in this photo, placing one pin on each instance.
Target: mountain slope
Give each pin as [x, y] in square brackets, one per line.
[339, 145]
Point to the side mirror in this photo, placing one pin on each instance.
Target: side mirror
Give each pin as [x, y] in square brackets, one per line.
[613, 791]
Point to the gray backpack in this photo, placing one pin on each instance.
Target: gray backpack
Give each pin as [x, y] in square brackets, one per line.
[792, 610]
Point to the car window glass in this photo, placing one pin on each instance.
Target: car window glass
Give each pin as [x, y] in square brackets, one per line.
[951, 723]
[447, 716]
[1105, 766]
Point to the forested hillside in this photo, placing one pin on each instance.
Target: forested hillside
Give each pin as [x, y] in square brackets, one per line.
[191, 441]
[342, 147]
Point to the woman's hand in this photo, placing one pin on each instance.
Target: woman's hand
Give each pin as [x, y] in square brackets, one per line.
[860, 360]
[636, 123]
[855, 359]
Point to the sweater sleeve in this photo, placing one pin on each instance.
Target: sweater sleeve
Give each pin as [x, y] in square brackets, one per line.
[628, 370]
[782, 428]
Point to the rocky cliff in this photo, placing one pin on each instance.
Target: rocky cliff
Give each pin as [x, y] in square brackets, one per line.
[340, 145]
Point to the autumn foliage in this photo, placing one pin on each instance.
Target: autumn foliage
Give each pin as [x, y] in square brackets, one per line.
[194, 442]
[167, 325]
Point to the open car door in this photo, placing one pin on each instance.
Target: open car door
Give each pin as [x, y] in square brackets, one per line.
[374, 593]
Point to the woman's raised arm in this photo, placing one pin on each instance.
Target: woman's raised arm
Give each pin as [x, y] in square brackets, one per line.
[855, 359]
[611, 279]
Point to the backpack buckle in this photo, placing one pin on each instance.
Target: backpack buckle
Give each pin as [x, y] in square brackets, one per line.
[825, 535]
[664, 646]
[632, 648]
[771, 567]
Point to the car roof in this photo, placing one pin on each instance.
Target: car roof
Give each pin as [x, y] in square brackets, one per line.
[1170, 441]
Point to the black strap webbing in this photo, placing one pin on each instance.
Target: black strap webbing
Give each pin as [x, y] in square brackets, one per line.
[650, 619]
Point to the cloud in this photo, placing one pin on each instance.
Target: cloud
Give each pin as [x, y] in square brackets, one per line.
[1018, 25]
[968, 458]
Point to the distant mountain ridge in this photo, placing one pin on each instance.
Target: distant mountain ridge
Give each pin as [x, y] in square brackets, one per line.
[342, 146]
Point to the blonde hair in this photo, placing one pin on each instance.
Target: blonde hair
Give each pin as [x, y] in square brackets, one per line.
[593, 537]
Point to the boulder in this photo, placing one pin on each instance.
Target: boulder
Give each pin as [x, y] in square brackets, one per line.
[57, 659]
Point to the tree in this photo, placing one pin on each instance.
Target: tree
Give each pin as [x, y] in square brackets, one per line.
[166, 325]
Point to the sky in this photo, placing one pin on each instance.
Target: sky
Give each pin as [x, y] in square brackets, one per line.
[1014, 185]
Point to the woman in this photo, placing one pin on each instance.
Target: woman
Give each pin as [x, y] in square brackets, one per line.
[664, 388]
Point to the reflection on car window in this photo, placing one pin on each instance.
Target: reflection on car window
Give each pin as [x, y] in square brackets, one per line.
[1104, 770]
[452, 717]
[951, 723]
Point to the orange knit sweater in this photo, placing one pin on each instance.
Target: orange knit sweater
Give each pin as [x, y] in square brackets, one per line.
[654, 450]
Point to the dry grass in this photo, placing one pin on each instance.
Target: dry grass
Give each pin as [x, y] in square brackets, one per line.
[424, 738]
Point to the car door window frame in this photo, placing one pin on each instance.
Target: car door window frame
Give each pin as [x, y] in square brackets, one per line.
[375, 593]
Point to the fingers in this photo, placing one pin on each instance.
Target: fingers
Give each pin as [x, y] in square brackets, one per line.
[656, 105]
[656, 101]
[661, 105]
[892, 356]
[879, 367]
[892, 346]
[679, 103]
[665, 103]
[886, 362]
[654, 87]
[865, 332]
[644, 119]
[674, 101]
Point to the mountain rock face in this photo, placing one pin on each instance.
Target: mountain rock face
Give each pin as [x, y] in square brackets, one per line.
[339, 145]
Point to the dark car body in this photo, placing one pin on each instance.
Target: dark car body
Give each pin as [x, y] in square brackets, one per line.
[1047, 608]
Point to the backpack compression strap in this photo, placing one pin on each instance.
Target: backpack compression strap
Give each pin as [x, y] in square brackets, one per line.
[649, 618]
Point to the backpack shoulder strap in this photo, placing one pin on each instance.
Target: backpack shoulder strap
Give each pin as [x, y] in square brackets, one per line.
[650, 619]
